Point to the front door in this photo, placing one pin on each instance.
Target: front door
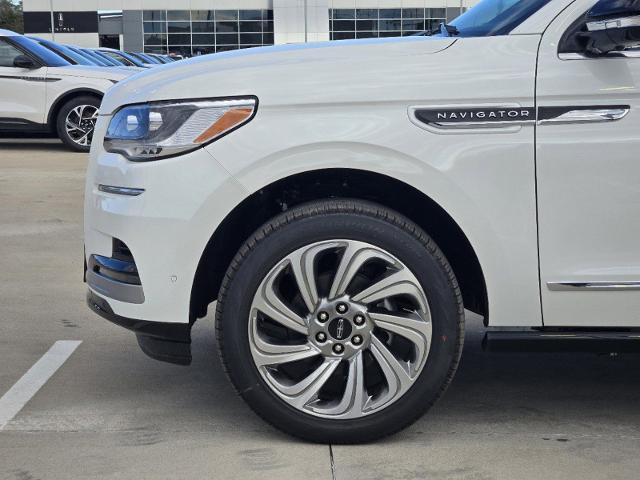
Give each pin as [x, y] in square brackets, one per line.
[588, 182]
[22, 91]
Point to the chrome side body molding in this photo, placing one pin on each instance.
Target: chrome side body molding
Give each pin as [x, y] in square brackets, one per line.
[502, 117]
[569, 286]
[131, 192]
[475, 116]
[582, 114]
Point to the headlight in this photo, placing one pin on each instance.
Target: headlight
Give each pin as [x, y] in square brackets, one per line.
[150, 131]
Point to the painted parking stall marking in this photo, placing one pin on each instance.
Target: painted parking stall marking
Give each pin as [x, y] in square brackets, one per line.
[24, 389]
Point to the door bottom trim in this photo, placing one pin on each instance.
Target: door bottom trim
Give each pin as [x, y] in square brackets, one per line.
[599, 285]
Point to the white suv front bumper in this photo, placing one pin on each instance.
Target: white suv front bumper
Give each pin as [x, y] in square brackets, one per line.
[166, 227]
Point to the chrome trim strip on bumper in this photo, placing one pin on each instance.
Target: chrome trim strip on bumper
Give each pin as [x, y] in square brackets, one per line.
[123, 292]
[131, 192]
[114, 269]
[572, 286]
[114, 279]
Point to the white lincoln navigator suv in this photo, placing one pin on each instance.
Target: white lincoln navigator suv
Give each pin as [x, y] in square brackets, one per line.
[343, 203]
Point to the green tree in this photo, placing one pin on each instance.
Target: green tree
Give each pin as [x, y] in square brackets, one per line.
[11, 16]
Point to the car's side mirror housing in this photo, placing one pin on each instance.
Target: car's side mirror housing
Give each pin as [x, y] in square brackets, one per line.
[22, 61]
[612, 25]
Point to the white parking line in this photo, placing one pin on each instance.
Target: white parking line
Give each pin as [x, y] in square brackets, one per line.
[24, 389]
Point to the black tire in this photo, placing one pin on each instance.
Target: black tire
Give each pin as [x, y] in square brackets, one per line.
[347, 219]
[61, 118]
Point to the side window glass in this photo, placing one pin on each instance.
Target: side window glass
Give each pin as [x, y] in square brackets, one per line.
[7, 54]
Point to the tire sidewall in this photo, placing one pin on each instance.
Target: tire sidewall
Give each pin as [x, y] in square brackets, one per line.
[429, 267]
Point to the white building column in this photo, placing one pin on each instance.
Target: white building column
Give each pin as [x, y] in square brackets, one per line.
[290, 25]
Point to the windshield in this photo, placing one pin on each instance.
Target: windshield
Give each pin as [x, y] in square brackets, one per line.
[66, 53]
[49, 58]
[123, 58]
[150, 59]
[108, 61]
[95, 61]
[495, 17]
[160, 59]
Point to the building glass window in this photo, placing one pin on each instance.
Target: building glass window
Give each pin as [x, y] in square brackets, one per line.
[155, 27]
[154, 15]
[203, 27]
[200, 32]
[348, 23]
[179, 15]
[202, 15]
[179, 27]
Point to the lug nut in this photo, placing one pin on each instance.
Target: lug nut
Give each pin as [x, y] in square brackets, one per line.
[358, 319]
[321, 336]
[338, 348]
[356, 340]
[342, 308]
[323, 316]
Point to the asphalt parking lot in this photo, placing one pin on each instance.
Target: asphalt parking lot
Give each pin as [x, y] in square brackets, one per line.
[111, 412]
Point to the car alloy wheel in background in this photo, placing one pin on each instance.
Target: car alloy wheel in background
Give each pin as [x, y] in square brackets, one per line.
[80, 123]
[76, 122]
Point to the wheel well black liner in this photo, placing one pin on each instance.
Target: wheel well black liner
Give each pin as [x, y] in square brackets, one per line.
[337, 183]
[62, 99]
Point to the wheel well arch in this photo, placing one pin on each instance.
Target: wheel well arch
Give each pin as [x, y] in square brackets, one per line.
[283, 194]
[64, 98]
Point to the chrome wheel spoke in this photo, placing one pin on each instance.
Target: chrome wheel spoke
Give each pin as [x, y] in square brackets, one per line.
[72, 126]
[410, 326]
[76, 112]
[268, 302]
[355, 255]
[355, 395]
[306, 390]
[83, 140]
[396, 373]
[271, 354]
[303, 266]
[401, 282]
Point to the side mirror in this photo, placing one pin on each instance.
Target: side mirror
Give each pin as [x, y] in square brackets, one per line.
[22, 61]
[612, 25]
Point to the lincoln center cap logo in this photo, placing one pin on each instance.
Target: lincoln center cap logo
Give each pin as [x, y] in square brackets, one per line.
[340, 328]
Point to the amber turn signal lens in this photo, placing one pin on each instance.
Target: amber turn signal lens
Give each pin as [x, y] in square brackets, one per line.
[230, 119]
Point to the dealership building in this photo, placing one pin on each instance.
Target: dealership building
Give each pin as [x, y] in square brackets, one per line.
[195, 27]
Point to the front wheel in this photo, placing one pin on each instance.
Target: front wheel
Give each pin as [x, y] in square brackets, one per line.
[340, 321]
[76, 121]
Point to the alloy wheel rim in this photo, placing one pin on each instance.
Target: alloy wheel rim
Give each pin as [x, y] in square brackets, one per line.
[80, 123]
[340, 329]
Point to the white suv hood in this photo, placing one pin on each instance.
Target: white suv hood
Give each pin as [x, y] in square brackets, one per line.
[287, 74]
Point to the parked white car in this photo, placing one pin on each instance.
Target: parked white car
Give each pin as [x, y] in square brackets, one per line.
[345, 202]
[40, 92]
